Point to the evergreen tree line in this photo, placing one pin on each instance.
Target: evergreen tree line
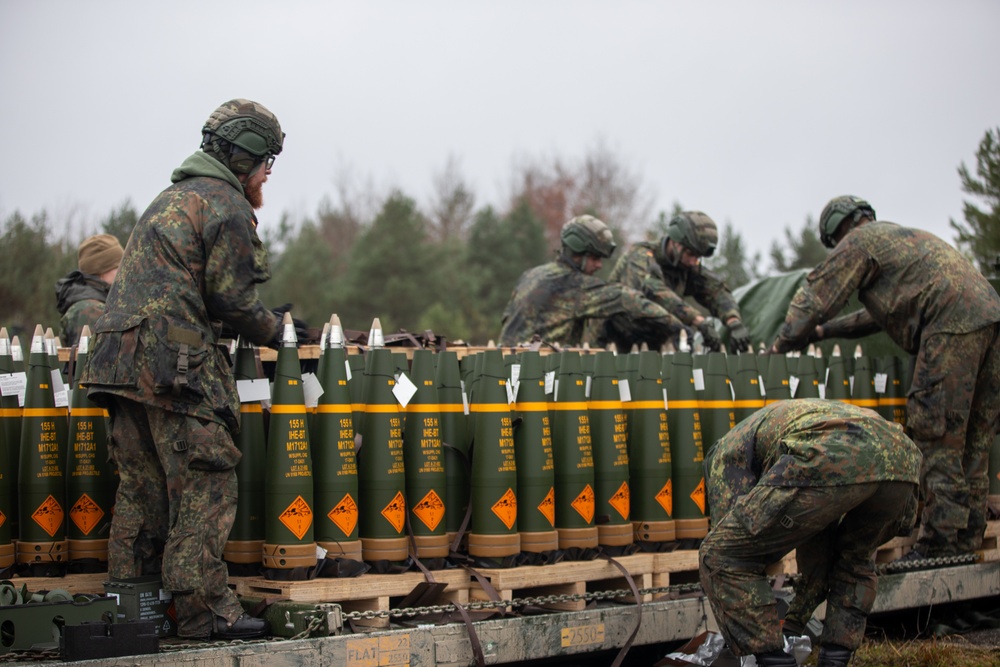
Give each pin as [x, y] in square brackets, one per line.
[449, 266]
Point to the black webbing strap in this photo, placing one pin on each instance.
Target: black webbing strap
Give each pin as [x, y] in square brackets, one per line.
[638, 618]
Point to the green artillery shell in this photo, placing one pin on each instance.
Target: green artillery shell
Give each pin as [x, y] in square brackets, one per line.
[91, 480]
[246, 539]
[746, 387]
[807, 376]
[777, 385]
[863, 387]
[423, 458]
[609, 432]
[288, 485]
[454, 439]
[536, 499]
[494, 468]
[573, 453]
[10, 427]
[838, 382]
[892, 402]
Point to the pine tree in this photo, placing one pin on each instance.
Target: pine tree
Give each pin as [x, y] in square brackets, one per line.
[980, 235]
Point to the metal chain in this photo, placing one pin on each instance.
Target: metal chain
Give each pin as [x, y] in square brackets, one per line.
[926, 563]
[540, 600]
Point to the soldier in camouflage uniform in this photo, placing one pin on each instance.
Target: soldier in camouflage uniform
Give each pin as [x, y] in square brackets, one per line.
[80, 296]
[670, 269]
[832, 481]
[934, 304]
[555, 301]
[191, 266]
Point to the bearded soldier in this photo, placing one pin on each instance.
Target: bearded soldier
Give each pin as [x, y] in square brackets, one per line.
[191, 266]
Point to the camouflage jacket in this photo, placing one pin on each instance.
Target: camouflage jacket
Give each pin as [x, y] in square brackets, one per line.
[192, 263]
[555, 300]
[80, 300]
[807, 442]
[642, 268]
[911, 283]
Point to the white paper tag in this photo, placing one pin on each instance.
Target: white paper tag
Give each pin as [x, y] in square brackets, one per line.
[822, 391]
[515, 373]
[253, 390]
[311, 389]
[550, 382]
[347, 367]
[699, 379]
[320, 553]
[13, 384]
[666, 404]
[58, 386]
[624, 390]
[586, 388]
[404, 389]
[760, 385]
[881, 380]
[851, 381]
[61, 398]
[465, 400]
[793, 384]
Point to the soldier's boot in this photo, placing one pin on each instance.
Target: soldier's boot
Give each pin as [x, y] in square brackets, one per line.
[775, 659]
[832, 655]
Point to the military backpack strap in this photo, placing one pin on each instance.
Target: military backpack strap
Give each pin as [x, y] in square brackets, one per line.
[185, 339]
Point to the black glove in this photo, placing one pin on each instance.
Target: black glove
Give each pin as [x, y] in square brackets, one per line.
[739, 337]
[710, 336]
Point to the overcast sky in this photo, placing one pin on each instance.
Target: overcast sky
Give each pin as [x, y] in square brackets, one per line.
[755, 112]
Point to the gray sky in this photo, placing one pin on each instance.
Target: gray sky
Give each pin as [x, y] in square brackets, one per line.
[755, 112]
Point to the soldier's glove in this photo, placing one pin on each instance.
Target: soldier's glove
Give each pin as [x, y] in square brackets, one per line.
[710, 336]
[739, 337]
[301, 328]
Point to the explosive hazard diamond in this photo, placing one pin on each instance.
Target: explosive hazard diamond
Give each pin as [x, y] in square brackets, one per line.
[506, 509]
[395, 512]
[297, 517]
[49, 516]
[430, 510]
[584, 504]
[344, 515]
[621, 500]
[666, 498]
[698, 495]
[85, 514]
[548, 506]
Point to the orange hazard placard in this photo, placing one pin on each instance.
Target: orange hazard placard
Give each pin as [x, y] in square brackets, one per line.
[345, 514]
[584, 504]
[395, 512]
[430, 509]
[620, 501]
[548, 506]
[666, 497]
[49, 516]
[3, 518]
[297, 517]
[698, 495]
[506, 509]
[85, 514]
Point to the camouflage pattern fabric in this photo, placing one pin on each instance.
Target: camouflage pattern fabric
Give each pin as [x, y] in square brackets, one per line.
[643, 268]
[191, 265]
[556, 300]
[829, 479]
[175, 507]
[933, 303]
[80, 300]
[952, 414]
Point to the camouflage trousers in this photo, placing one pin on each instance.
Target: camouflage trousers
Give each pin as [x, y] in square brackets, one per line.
[834, 530]
[953, 409]
[175, 506]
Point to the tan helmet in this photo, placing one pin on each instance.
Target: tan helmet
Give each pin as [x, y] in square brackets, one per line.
[695, 231]
[839, 209]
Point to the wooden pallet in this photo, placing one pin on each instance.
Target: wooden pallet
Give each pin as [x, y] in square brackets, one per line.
[566, 578]
[369, 592]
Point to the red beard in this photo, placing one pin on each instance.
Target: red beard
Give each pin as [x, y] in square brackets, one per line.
[254, 193]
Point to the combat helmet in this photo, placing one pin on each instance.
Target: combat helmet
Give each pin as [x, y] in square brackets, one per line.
[693, 230]
[241, 134]
[840, 209]
[585, 234]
